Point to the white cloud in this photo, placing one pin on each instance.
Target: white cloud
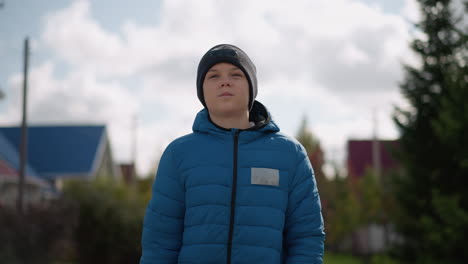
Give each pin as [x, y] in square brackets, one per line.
[352, 55]
[410, 11]
[74, 36]
[77, 98]
[333, 60]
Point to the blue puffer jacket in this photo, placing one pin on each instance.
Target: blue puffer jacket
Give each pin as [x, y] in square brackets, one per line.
[234, 196]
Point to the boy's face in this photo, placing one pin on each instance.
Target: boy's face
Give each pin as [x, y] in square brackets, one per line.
[226, 90]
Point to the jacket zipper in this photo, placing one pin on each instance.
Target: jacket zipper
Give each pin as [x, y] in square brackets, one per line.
[233, 196]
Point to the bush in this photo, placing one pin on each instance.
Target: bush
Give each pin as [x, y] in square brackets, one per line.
[109, 222]
[382, 259]
[34, 236]
[91, 222]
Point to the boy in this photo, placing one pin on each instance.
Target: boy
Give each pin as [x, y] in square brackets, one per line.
[235, 190]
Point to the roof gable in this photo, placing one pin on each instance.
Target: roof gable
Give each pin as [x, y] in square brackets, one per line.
[10, 155]
[54, 150]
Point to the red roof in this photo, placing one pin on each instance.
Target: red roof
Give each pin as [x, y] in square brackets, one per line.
[360, 156]
[128, 172]
[8, 173]
[6, 170]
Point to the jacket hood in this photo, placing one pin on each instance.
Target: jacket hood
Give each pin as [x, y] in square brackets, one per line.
[259, 115]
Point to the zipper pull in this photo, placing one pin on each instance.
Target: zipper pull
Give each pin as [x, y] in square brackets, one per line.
[236, 133]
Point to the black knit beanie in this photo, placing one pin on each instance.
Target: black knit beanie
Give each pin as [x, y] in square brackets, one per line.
[230, 54]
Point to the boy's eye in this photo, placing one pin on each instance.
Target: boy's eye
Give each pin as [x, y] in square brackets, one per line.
[212, 76]
[237, 74]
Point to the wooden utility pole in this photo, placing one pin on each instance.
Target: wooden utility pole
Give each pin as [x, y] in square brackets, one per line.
[24, 132]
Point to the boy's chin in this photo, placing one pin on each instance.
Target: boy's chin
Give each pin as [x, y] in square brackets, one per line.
[227, 110]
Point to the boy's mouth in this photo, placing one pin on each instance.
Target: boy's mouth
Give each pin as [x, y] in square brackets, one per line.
[225, 94]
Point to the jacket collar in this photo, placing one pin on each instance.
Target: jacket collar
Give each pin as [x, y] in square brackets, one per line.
[259, 115]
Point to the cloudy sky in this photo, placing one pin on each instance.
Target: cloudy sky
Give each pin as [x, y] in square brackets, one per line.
[105, 62]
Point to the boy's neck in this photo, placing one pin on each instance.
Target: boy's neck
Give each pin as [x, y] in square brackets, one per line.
[232, 121]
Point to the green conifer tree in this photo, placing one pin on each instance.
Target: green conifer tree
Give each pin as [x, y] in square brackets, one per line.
[432, 193]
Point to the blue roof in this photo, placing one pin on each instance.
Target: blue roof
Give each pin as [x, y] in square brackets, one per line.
[59, 150]
[10, 154]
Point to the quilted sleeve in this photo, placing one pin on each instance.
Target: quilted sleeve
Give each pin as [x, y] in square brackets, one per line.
[304, 228]
[164, 218]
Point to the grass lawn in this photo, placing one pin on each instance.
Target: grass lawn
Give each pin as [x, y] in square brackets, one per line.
[331, 258]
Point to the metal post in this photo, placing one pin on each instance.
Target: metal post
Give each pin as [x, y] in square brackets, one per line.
[376, 159]
[134, 147]
[24, 132]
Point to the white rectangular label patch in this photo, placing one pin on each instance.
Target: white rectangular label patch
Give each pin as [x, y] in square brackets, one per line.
[264, 176]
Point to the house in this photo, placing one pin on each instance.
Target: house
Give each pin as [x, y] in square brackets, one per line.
[365, 154]
[128, 172]
[35, 188]
[377, 155]
[58, 153]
